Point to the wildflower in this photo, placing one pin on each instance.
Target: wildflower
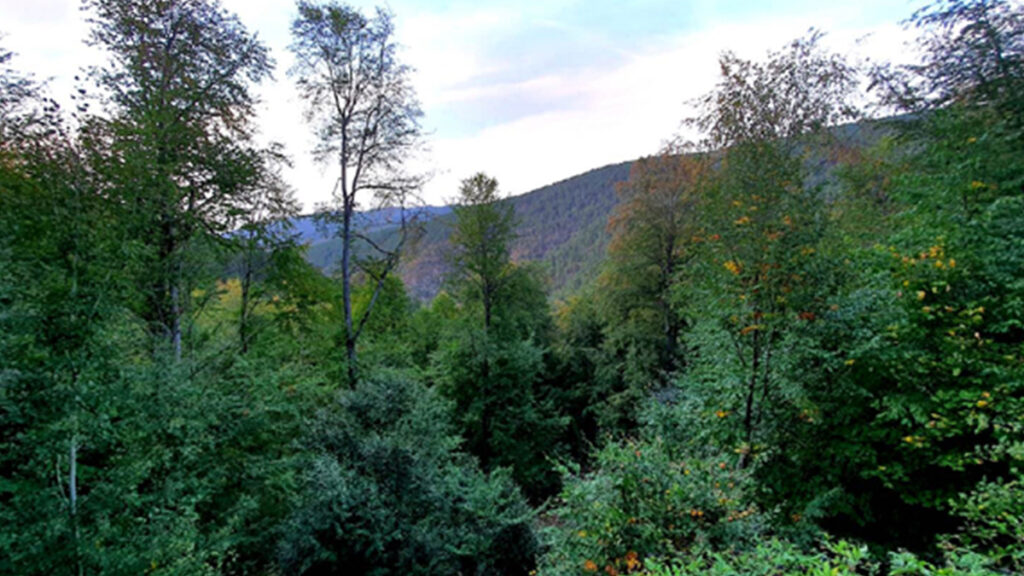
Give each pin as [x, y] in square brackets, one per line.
[921, 294]
[733, 267]
[742, 220]
[590, 566]
[982, 403]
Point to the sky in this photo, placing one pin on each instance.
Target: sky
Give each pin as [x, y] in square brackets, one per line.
[530, 92]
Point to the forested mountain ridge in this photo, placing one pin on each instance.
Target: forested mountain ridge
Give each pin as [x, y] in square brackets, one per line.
[563, 226]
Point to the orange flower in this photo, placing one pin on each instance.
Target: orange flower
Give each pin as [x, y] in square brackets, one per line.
[590, 566]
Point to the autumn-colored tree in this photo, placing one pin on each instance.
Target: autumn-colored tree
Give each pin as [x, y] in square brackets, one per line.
[763, 217]
[653, 228]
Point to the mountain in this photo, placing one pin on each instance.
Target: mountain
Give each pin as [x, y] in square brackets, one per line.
[562, 226]
[312, 232]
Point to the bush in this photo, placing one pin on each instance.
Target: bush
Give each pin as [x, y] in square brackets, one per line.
[643, 500]
[388, 493]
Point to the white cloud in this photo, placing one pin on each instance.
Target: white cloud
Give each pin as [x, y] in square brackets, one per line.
[621, 104]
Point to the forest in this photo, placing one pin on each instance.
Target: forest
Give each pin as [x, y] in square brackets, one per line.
[801, 352]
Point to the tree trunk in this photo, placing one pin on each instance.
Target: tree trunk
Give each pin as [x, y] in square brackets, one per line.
[72, 500]
[347, 208]
[243, 321]
[176, 320]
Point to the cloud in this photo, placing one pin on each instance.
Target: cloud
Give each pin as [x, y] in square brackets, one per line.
[530, 92]
[618, 113]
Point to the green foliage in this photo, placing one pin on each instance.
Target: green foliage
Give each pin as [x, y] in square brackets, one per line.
[774, 557]
[803, 329]
[491, 358]
[645, 500]
[386, 493]
[994, 525]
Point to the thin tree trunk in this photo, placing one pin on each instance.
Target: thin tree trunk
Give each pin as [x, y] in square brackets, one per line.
[176, 320]
[485, 393]
[348, 206]
[73, 502]
[243, 323]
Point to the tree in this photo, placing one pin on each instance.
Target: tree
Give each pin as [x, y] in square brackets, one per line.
[758, 274]
[263, 235]
[972, 57]
[180, 156]
[483, 232]
[931, 409]
[653, 228]
[492, 357]
[387, 493]
[366, 120]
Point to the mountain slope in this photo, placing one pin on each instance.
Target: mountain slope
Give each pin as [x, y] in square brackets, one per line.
[561, 226]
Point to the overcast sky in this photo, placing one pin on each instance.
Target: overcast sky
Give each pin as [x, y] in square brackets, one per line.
[529, 92]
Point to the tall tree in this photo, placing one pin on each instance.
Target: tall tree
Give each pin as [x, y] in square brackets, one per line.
[492, 357]
[366, 118]
[765, 214]
[181, 157]
[483, 232]
[653, 229]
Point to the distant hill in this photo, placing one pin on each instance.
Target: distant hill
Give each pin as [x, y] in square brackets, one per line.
[562, 226]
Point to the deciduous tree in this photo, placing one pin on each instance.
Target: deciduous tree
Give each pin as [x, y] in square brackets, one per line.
[180, 154]
[366, 119]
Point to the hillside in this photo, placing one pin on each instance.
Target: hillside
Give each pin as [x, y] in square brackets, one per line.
[561, 226]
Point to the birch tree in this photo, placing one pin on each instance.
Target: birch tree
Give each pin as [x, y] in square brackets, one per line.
[365, 116]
